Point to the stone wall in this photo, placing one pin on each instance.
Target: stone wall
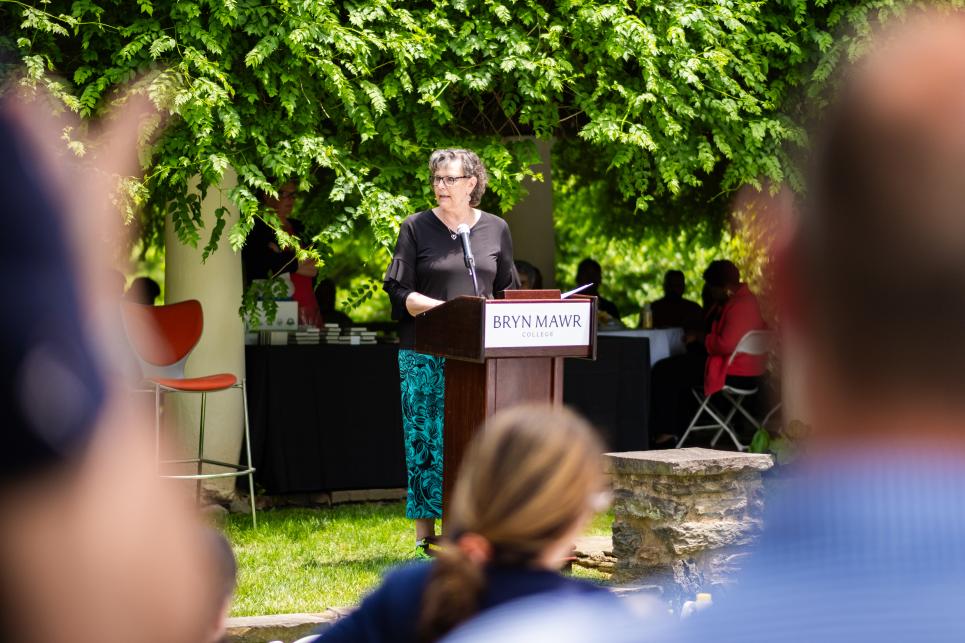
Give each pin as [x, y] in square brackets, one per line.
[683, 517]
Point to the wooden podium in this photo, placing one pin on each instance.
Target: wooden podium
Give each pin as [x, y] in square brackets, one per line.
[501, 352]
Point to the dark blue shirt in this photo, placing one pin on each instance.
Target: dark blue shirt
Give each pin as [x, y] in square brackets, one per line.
[52, 388]
[392, 611]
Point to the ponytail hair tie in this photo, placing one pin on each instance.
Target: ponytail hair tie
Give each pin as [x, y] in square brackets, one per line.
[475, 547]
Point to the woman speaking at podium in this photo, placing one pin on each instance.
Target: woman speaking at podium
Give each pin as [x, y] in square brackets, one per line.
[429, 268]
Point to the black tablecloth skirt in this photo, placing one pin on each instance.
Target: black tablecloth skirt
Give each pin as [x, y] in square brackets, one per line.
[325, 418]
[328, 417]
[613, 392]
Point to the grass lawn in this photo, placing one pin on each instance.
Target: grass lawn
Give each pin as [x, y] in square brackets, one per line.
[305, 560]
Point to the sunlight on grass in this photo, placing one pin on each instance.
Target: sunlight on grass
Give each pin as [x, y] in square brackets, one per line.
[306, 560]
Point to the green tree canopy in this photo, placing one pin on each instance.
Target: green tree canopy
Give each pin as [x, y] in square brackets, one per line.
[669, 102]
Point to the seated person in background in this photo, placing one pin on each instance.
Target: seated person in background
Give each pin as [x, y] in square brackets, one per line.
[740, 314]
[672, 310]
[672, 405]
[531, 481]
[590, 272]
[530, 278]
[143, 290]
[713, 296]
[325, 296]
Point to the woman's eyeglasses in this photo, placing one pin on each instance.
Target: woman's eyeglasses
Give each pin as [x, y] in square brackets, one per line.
[448, 181]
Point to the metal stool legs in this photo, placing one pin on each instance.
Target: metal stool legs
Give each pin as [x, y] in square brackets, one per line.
[251, 469]
[237, 470]
[197, 487]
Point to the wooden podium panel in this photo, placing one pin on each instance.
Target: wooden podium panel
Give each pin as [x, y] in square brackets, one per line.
[486, 372]
[475, 391]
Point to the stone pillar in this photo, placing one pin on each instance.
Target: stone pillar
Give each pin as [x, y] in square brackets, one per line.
[531, 221]
[683, 517]
[217, 284]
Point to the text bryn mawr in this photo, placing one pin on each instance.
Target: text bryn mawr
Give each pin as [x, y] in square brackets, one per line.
[537, 321]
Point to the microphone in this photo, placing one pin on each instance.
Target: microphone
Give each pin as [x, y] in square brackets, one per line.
[463, 231]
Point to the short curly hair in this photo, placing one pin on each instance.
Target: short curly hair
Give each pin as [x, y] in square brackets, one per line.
[471, 166]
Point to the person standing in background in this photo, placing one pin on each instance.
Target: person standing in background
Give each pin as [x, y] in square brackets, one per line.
[427, 269]
[263, 258]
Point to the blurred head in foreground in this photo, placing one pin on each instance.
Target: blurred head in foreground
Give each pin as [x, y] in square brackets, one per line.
[530, 482]
[879, 258]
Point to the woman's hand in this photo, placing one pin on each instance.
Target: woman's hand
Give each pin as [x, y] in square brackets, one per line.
[417, 303]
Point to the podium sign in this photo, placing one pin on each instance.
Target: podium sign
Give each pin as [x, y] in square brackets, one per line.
[553, 323]
[499, 353]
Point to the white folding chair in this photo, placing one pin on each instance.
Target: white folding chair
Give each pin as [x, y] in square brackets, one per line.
[755, 342]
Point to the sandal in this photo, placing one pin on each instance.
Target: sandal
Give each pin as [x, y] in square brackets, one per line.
[427, 547]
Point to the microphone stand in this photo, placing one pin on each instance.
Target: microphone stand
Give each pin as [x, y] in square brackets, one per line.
[463, 231]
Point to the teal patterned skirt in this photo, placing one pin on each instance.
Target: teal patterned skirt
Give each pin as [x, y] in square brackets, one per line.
[423, 405]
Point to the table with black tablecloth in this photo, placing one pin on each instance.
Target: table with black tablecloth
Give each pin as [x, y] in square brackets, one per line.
[328, 418]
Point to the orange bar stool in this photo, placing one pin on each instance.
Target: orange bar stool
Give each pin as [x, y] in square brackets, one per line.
[162, 338]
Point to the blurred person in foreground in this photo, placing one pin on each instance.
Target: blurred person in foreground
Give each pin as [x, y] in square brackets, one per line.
[92, 547]
[866, 541]
[530, 483]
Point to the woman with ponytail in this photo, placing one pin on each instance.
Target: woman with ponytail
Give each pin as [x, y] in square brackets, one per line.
[531, 481]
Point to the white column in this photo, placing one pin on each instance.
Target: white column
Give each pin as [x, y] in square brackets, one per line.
[217, 284]
[531, 221]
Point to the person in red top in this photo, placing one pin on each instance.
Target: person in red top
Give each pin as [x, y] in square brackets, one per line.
[705, 365]
[740, 315]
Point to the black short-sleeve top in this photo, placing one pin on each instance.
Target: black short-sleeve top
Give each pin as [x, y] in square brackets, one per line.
[429, 261]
